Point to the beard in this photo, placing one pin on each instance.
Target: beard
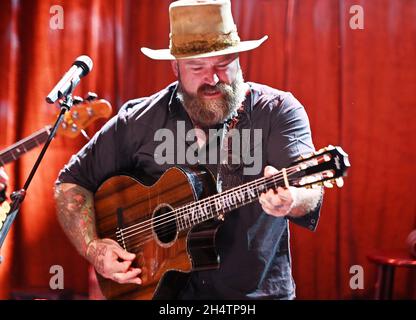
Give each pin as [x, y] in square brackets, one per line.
[207, 113]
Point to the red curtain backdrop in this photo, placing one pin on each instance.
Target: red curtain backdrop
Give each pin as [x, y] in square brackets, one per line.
[358, 87]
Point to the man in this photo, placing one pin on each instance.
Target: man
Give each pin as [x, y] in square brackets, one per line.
[253, 242]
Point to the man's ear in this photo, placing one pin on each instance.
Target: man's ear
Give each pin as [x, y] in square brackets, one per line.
[175, 67]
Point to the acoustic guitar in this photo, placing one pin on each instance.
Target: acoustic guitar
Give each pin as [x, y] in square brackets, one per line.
[171, 225]
[81, 115]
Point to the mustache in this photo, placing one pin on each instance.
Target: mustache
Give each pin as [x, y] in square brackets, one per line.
[208, 112]
[219, 87]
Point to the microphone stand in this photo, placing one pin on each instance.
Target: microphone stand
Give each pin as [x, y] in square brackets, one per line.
[18, 197]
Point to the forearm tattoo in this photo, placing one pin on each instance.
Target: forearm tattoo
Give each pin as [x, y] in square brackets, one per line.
[96, 256]
[75, 212]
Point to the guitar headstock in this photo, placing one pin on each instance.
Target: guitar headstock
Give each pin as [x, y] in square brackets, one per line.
[324, 167]
[83, 114]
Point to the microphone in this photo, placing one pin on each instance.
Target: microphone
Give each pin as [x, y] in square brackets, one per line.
[80, 68]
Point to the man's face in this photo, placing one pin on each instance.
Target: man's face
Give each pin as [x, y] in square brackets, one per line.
[210, 88]
[200, 74]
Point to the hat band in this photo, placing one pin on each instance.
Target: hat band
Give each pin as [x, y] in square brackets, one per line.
[200, 46]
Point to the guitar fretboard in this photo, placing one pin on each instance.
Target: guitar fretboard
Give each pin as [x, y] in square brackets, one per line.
[223, 203]
[16, 150]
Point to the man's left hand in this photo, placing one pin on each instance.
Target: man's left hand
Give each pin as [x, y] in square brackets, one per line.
[278, 202]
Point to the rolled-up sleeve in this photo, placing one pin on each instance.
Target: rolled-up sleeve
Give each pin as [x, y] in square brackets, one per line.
[103, 156]
[289, 138]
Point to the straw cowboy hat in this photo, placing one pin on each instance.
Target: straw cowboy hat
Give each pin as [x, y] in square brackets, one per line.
[200, 29]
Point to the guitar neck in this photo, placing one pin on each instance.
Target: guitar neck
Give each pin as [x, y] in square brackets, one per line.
[220, 204]
[16, 150]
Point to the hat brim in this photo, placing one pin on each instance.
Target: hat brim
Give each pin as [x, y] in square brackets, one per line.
[164, 54]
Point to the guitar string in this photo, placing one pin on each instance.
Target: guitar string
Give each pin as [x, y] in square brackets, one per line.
[132, 244]
[138, 241]
[149, 235]
[171, 216]
[268, 183]
[187, 208]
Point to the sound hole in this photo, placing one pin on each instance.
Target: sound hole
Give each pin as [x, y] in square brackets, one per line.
[164, 224]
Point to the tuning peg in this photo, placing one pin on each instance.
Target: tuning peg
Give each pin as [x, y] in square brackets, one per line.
[339, 182]
[305, 156]
[75, 115]
[315, 185]
[74, 127]
[91, 96]
[325, 149]
[77, 100]
[328, 184]
[322, 150]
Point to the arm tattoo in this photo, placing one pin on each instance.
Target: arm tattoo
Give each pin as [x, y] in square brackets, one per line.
[96, 256]
[75, 210]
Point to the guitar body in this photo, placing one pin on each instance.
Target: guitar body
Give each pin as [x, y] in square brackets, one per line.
[165, 255]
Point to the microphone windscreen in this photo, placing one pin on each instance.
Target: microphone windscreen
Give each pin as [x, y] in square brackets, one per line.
[85, 62]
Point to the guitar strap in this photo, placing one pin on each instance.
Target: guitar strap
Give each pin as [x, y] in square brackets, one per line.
[231, 165]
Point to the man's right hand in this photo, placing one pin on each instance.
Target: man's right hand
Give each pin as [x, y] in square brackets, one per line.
[75, 211]
[112, 261]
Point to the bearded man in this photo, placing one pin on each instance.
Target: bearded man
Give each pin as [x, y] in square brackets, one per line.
[253, 242]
